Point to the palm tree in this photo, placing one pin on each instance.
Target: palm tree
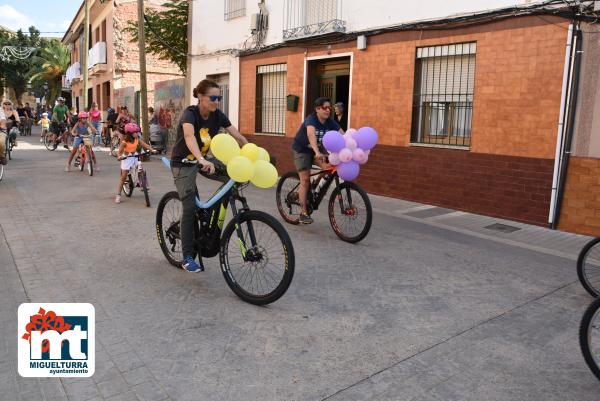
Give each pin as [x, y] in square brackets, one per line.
[51, 65]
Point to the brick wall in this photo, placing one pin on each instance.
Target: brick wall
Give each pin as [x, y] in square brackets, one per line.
[580, 210]
[507, 172]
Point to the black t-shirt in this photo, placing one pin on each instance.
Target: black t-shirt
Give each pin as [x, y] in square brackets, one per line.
[343, 122]
[301, 143]
[204, 130]
[21, 111]
[112, 117]
[28, 111]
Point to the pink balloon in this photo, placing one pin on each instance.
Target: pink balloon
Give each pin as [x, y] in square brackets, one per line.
[345, 155]
[365, 159]
[351, 132]
[334, 159]
[350, 142]
[348, 171]
[358, 155]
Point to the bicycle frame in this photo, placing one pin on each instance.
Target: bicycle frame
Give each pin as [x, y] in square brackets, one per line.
[227, 194]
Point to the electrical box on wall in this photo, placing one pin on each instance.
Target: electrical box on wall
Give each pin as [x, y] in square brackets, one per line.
[254, 22]
[361, 42]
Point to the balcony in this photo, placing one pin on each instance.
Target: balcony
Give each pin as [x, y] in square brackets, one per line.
[307, 18]
[97, 58]
[73, 73]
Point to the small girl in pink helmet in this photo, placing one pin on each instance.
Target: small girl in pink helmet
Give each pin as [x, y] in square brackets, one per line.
[82, 127]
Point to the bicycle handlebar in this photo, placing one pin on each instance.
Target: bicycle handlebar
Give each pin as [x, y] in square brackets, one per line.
[138, 155]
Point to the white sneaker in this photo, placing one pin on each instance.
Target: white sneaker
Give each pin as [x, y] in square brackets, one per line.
[118, 199]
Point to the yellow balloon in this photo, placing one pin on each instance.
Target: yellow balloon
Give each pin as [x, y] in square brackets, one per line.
[240, 169]
[250, 150]
[265, 174]
[224, 147]
[263, 155]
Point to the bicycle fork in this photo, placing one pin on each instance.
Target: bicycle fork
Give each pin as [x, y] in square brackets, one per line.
[246, 254]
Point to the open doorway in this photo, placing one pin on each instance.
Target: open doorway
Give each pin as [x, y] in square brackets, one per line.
[328, 77]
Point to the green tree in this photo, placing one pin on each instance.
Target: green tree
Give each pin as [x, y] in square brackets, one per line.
[166, 32]
[16, 72]
[49, 66]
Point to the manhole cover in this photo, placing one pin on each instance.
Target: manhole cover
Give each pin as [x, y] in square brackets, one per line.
[503, 228]
[431, 212]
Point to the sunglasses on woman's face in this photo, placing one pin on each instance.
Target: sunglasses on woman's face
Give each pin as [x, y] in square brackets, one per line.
[215, 98]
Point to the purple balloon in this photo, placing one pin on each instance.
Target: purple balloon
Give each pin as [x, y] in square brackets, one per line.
[333, 141]
[334, 159]
[366, 138]
[350, 142]
[348, 171]
[345, 155]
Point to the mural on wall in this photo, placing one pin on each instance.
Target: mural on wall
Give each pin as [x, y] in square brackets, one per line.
[125, 97]
[169, 103]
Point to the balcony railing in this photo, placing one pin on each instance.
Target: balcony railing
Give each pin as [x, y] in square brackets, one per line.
[305, 18]
[97, 54]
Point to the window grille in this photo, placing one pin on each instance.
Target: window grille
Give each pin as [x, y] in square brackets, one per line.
[271, 88]
[234, 9]
[443, 94]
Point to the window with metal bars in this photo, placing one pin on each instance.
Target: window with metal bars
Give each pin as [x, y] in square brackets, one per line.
[443, 94]
[234, 9]
[270, 98]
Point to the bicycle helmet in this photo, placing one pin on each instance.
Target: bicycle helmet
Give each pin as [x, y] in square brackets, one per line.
[45, 114]
[82, 114]
[109, 110]
[60, 99]
[132, 128]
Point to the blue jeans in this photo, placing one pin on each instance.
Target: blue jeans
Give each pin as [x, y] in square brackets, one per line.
[97, 125]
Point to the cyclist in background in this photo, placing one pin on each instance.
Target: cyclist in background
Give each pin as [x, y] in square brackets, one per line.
[83, 127]
[60, 117]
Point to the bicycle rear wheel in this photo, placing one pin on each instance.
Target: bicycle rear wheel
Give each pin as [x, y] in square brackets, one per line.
[588, 267]
[8, 149]
[287, 198]
[1, 171]
[144, 184]
[589, 337]
[259, 272]
[350, 212]
[168, 214]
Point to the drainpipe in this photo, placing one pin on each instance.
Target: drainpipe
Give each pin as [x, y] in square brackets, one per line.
[570, 126]
[560, 130]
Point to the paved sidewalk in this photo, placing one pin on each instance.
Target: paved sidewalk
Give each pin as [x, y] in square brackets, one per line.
[430, 306]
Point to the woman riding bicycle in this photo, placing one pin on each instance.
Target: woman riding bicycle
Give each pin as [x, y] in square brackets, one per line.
[12, 120]
[198, 124]
[307, 148]
[82, 127]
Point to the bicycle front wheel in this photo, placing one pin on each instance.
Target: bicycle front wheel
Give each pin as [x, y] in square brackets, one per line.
[287, 197]
[128, 186]
[350, 212]
[1, 171]
[589, 337]
[114, 145]
[588, 267]
[258, 267]
[144, 184]
[48, 141]
[89, 161]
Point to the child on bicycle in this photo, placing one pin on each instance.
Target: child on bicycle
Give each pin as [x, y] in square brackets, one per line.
[81, 127]
[130, 145]
[45, 123]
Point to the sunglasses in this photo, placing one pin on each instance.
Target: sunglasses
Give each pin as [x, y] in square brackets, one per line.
[215, 98]
[326, 108]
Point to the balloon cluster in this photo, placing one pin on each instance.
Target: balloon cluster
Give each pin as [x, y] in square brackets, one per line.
[250, 163]
[350, 150]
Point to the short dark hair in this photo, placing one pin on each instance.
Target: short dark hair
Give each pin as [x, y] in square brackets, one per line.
[151, 109]
[320, 101]
[203, 87]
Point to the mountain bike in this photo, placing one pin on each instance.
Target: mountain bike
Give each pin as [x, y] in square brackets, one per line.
[258, 266]
[8, 147]
[350, 212]
[85, 155]
[588, 267]
[589, 337]
[52, 144]
[137, 178]
[115, 142]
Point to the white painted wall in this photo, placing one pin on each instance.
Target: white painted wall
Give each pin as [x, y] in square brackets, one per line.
[212, 32]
